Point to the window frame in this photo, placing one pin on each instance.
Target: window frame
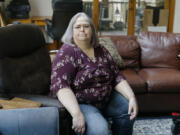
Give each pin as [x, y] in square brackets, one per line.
[169, 4]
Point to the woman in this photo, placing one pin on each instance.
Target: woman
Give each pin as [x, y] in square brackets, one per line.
[88, 83]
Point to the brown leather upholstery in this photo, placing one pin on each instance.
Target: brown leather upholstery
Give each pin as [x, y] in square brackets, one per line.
[161, 80]
[159, 49]
[158, 102]
[137, 83]
[152, 69]
[129, 49]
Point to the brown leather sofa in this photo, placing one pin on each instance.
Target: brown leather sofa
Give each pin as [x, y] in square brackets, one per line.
[152, 68]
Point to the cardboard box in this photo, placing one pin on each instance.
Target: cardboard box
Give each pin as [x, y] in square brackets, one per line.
[157, 28]
[163, 17]
[147, 19]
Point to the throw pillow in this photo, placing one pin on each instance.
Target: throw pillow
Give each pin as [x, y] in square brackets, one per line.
[109, 45]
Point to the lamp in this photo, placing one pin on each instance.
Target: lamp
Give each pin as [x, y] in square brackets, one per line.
[2, 22]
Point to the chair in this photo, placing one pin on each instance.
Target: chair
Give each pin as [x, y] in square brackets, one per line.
[31, 121]
[62, 13]
[25, 68]
[24, 61]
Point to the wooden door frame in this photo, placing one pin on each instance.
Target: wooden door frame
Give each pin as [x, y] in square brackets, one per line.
[131, 17]
[171, 8]
[95, 14]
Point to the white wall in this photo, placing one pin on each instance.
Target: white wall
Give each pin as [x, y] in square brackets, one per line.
[176, 27]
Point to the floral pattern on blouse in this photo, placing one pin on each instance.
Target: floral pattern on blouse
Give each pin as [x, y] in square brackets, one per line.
[91, 81]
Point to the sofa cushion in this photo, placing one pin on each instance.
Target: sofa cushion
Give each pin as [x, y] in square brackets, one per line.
[135, 81]
[25, 65]
[18, 40]
[109, 45]
[159, 49]
[129, 50]
[161, 80]
[28, 74]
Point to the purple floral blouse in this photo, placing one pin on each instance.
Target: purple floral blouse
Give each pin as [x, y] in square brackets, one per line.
[91, 82]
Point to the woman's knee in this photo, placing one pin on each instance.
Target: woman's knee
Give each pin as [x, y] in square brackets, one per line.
[96, 124]
[118, 105]
[100, 128]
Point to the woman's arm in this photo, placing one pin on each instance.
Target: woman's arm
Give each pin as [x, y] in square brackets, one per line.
[62, 76]
[68, 99]
[124, 88]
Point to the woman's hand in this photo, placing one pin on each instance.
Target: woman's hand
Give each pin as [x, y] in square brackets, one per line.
[78, 123]
[133, 108]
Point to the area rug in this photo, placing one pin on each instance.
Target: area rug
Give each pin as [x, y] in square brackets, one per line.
[152, 126]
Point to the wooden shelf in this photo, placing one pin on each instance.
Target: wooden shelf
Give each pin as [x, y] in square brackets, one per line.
[28, 20]
[39, 20]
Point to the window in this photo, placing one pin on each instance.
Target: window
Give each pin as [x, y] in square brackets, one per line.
[129, 17]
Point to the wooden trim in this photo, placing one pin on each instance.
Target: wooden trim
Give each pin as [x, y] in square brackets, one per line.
[171, 15]
[40, 20]
[131, 17]
[95, 13]
[28, 20]
[166, 4]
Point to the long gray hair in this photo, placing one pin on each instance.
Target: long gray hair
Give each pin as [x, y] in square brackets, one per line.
[67, 38]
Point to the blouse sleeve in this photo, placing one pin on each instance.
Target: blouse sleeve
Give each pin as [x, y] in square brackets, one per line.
[63, 69]
[118, 76]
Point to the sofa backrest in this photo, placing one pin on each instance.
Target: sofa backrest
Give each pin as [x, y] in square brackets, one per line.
[129, 50]
[159, 49]
[25, 65]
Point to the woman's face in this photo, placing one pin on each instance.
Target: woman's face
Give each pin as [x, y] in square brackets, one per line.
[82, 30]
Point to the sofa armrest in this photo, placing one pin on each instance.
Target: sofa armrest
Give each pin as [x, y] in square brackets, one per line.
[41, 121]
